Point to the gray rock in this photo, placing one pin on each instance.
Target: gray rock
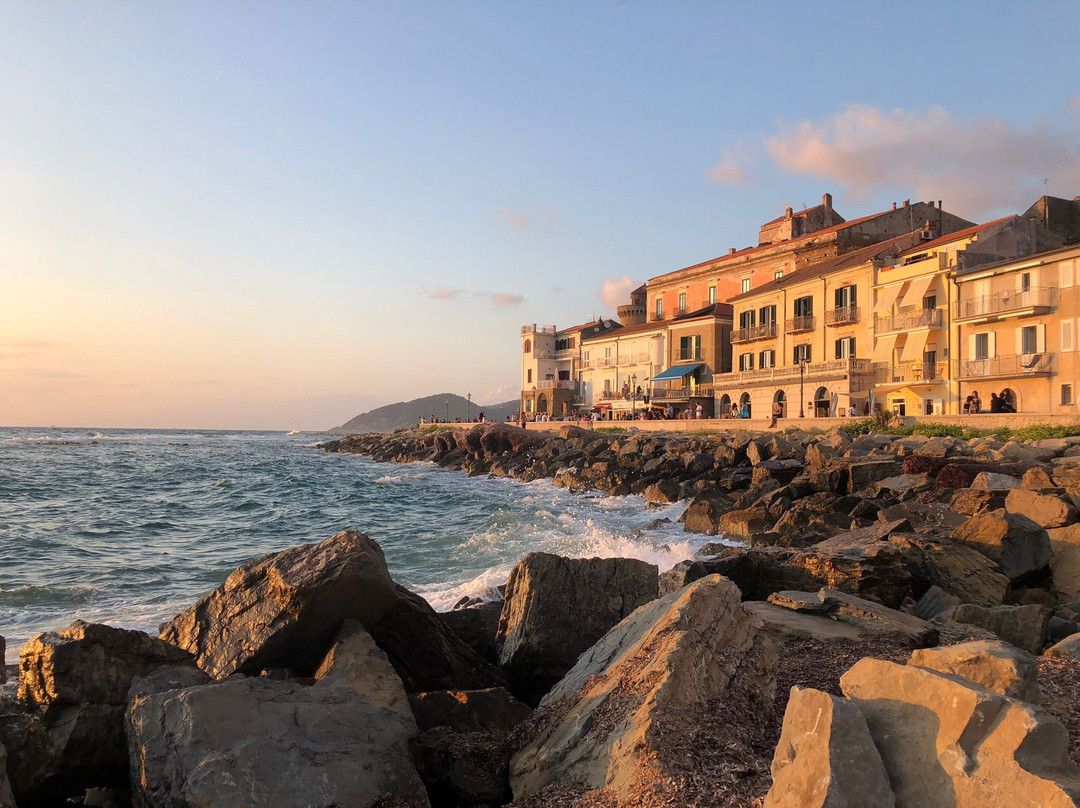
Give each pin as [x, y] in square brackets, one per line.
[1017, 544]
[1069, 648]
[865, 615]
[1045, 508]
[1023, 626]
[935, 601]
[7, 799]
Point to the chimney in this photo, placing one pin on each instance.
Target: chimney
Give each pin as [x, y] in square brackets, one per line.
[826, 201]
[907, 202]
[894, 206]
[731, 250]
[788, 213]
[930, 203]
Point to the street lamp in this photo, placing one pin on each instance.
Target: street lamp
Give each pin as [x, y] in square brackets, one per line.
[633, 395]
[446, 401]
[802, 384]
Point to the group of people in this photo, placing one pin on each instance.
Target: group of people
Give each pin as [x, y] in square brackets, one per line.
[999, 402]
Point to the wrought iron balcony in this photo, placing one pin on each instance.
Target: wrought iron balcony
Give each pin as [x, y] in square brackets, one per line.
[799, 325]
[753, 333]
[916, 372]
[930, 318]
[813, 370]
[1002, 367]
[845, 315]
[1036, 300]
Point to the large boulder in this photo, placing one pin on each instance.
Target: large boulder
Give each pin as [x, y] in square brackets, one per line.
[556, 608]
[993, 664]
[744, 523]
[257, 741]
[703, 513]
[948, 742]
[624, 716]
[865, 615]
[493, 710]
[283, 610]
[7, 799]
[826, 757]
[477, 625]
[1018, 545]
[1048, 508]
[1068, 648]
[955, 568]
[1023, 626]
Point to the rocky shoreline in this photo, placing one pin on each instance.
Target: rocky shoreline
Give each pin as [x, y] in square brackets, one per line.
[900, 627]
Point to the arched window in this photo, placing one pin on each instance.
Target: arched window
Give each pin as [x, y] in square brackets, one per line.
[779, 398]
[744, 406]
[527, 347]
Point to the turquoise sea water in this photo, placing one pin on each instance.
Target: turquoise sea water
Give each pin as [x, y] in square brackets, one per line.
[130, 527]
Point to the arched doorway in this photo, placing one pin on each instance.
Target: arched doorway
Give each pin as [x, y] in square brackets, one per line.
[542, 403]
[725, 405]
[744, 406]
[821, 403]
[1011, 399]
[565, 408]
[780, 404]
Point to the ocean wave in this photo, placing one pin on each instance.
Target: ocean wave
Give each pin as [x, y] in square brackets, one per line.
[36, 595]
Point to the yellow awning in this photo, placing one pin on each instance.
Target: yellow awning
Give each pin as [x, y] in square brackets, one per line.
[913, 347]
[917, 291]
[886, 296]
[883, 347]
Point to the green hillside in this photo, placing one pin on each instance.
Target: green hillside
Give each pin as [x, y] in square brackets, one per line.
[444, 406]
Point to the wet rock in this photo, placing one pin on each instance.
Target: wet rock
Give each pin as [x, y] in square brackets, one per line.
[993, 664]
[556, 608]
[615, 717]
[663, 491]
[1022, 626]
[945, 741]
[1018, 545]
[826, 757]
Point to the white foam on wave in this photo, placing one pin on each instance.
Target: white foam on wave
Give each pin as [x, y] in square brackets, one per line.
[388, 479]
[484, 586]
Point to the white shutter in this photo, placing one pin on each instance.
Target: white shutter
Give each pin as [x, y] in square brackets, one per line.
[1067, 335]
[1066, 274]
[1040, 338]
[991, 350]
[1019, 341]
[971, 346]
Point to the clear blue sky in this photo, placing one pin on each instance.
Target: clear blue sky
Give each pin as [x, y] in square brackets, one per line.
[252, 214]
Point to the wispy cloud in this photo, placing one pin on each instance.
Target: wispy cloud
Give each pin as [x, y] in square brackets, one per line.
[616, 291]
[506, 299]
[511, 218]
[732, 168]
[977, 164]
[24, 347]
[441, 293]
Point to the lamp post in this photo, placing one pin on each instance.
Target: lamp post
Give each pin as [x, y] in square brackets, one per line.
[633, 395]
[446, 401]
[468, 408]
[802, 388]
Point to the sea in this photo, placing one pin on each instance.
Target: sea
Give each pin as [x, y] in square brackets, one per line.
[130, 527]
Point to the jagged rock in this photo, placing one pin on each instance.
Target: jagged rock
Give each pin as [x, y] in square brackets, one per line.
[556, 608]
[960, 570]
[972, 501]
[947, 742]
[7, 799]
[826, 757]
[865, 615]
[1023, 626]
[283, 610]
[612, 719]
[744, 523]
[934, 601]
[256, 741]
[1069, 648]
[662, 491]
[461, 769]
[781, 625]
[989, 481]
[1018, 545]
[477, 626]
[1036, 478]
[1044, 509]
[924, 517]
[703, 513]
[780, 471]
[492, 710]
[993, 664]
[902, 484]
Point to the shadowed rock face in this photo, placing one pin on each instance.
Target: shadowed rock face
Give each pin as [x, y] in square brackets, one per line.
[282, 611]
[610, 721]
[556, 608]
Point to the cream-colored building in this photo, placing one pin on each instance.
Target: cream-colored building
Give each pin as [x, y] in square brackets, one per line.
[1016, 329]
[616, 365]
[551, 368]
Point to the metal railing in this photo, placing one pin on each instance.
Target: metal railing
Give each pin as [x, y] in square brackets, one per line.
[797, 325]
[543, 354]
[932, 318]
[845, 315]
[814, 370]
[556, 384]
[688, 356]
[754, 332]
[682, 393]
[916, 371]
[1039, 364]
[1037, 297]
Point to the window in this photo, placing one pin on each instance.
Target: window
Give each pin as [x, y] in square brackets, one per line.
[1066, 274]
[746, 361]
[1067, 335]
[767, 359]
[1066, 395]
[712, 295]
[845, 348]
[745, 285]
[768, 315]
[802, 353]
[982, 346]
[659, 308]
[564, 375]
[778, 275]
[585, 357]
[528, 376]
[1029, 340]
[690, 347]
[804, 306]
[929, 303]
[746, 319]
[845, 297]
[682, 302]
[1025, 281]
[527, 347]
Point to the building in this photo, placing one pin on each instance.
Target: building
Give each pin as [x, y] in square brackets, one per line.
[698, 350]
[551, 367]
[785, 245]
[1016, 330]
[617, 363]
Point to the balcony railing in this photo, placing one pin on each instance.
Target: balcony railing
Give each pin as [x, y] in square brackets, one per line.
[814, 370]
[916, 372]
[682, 393]
[1039, 299]
[617, 361]
[566, 353]
[798, 325]
[556, 384]
[930, 318]
[1007, 366]
[537, 329]
[754, 332]
[543, 354]
[688, 356]
[845, 315]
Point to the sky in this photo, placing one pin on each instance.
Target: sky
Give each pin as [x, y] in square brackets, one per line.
[273, 215]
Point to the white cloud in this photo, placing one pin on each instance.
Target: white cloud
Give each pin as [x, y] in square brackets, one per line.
[506, 299]
[511, 218]
[442, 293]
[731, 170]
[616, 291]
[975, 164]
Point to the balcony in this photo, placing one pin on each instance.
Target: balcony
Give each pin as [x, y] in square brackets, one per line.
[543, 354]
[556, 384]
[1007, 367]
[1036, 300]
[681, 393]
[754, 333]
[537, 329]
[846, 315]
[930, 318]
[916, 372]
[688, 356]
[836, 369]
[799, 325]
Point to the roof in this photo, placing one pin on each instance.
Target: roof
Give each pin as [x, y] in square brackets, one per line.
[577, 328]
[625, 330]
[748, 251]
[959, 235]
[839, 262]
[713, 310]
[802, 212]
